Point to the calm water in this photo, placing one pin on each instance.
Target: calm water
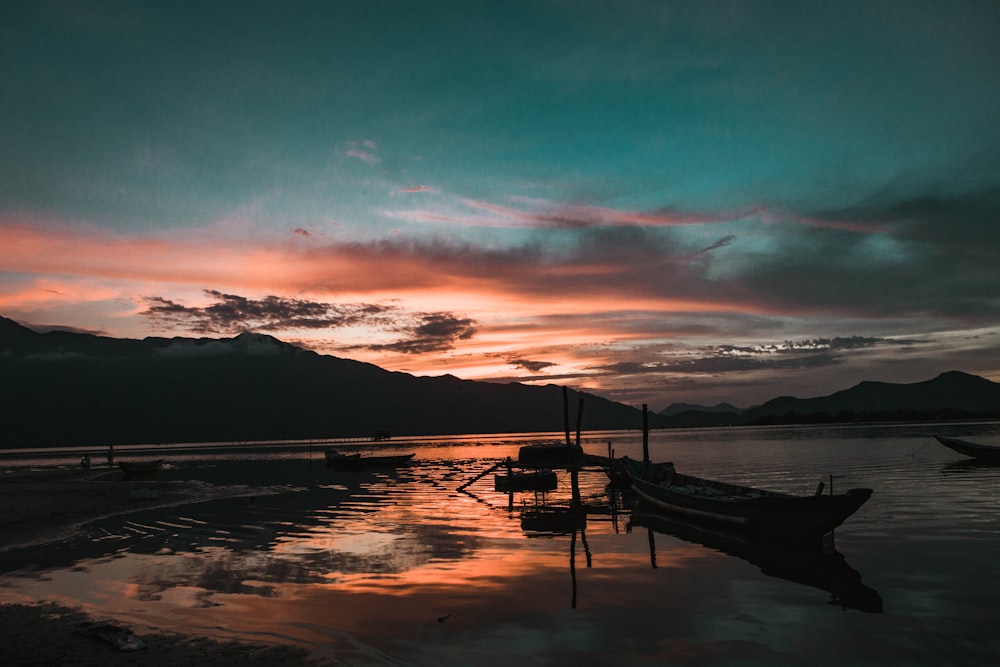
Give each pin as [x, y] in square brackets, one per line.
[409, 568]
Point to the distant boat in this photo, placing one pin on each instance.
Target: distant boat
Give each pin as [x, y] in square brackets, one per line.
[140, 467]
[341, 461]
[526, 480]
[984, 452]
[751, 509]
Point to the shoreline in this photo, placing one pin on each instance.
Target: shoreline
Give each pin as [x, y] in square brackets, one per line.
[39, 506]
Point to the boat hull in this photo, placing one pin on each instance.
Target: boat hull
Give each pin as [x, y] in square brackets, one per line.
[549, 456]
[982, 452]
[744, 507]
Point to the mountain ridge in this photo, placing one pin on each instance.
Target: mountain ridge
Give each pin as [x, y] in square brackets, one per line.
[949, 395]
[71, 388]
[68, 388]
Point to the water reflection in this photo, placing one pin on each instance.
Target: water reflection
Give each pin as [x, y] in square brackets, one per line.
[813, 563]
[429, 566]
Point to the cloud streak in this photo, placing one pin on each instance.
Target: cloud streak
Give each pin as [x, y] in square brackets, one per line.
[611, 289]
[229, 314]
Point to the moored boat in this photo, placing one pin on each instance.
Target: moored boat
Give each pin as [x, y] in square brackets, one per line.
[549, 455]
[975, 450]
[744, 507]
[355, 461]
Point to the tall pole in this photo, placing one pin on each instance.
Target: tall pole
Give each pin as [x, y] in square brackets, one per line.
[566, 415]
[645, 434]
[579, 420]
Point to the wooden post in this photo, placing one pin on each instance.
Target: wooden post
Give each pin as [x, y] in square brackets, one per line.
[566, 414]
[645, 434]
[510, 484]
[579, 421]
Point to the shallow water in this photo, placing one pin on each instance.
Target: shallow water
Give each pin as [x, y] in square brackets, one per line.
[406, 567]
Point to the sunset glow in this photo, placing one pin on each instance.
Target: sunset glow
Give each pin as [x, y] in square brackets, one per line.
[549, 201]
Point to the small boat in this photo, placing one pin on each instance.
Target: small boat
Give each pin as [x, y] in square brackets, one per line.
[748, 508]
[549, 455]
[983, 452]
[341, 461]
[522, 480]
[140, 467]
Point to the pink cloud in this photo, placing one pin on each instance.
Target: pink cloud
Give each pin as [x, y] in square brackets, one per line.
[539, 213]
[364, 156]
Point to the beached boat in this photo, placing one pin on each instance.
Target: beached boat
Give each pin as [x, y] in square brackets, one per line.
[748, 508]
[140, 467]
[526, 480]
[355, 461]
[984, 452]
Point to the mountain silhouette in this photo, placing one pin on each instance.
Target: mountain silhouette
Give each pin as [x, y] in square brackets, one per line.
[63, 388]
[950, 395]
[678, 408]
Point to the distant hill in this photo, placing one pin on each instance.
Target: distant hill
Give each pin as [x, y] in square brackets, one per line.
[62, 388]
[678, 408]
[951, 395]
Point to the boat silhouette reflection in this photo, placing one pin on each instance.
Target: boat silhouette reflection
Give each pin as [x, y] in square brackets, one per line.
[814, 562]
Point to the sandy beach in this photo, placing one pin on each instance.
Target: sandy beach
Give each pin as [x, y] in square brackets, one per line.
[40, 506]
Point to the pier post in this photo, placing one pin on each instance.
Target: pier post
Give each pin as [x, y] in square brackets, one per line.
[566, 414]
[579, 421]
[645, 434]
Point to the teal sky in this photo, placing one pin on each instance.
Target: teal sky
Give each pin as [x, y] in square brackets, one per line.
[657, 201]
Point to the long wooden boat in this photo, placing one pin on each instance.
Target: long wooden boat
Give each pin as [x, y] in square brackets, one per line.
[984, 452]
[748, 508]
[140, 467]
[355, 461]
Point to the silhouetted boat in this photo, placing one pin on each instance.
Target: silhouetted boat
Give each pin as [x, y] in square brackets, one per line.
[140, 467]
[549, 455]
[813, 562]
[984, 452]
[526, 480]
[341, 461]
[753, 509]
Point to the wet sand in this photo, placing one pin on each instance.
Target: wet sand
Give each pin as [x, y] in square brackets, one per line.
[41, 506]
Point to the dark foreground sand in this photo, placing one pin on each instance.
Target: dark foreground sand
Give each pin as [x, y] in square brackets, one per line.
[39, 506]
[51, 635]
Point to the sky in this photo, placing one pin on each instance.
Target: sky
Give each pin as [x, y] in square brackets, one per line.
[655, 202]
